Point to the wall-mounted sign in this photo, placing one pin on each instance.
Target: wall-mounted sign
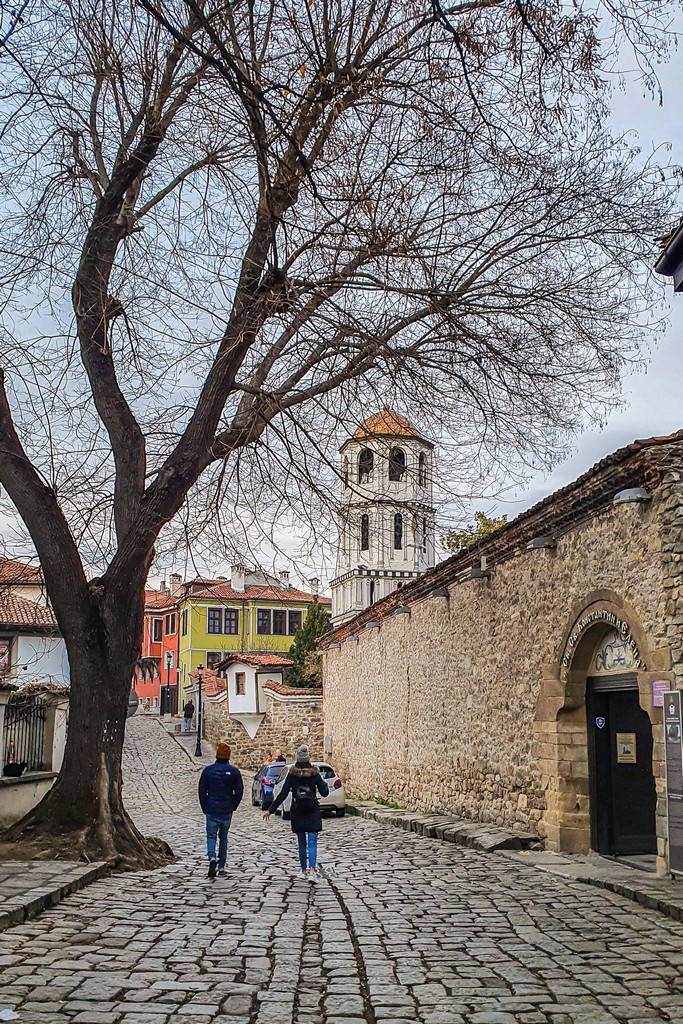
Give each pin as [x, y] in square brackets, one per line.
[659, 688]
[600, 722]
[626, 748]
[610, 619]
[673, 759]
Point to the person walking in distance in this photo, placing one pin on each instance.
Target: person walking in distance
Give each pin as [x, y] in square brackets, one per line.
[304, 782]
[188, 715]
[220, 794]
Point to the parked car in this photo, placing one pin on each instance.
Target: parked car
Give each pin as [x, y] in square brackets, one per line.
[262, 786]
[334, 803]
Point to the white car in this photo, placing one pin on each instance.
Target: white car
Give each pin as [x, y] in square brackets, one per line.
[334, 802]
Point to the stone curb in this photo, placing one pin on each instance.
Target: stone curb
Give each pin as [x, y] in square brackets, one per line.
[34, 901]
[176, 737]
[473, 834]
[650, 898]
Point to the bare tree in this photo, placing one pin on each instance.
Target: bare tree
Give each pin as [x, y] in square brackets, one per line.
[229, 228]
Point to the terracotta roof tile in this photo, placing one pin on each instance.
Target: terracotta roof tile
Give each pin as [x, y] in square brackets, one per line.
[16, 612]
[212, 684]
[292, 691]
[255, 660]
[19, 572]
[386, 423]
[251, 592]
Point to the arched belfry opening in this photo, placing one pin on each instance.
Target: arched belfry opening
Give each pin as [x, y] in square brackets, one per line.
[594, 737]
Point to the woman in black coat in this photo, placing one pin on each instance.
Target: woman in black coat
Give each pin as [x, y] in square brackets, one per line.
[304, 782]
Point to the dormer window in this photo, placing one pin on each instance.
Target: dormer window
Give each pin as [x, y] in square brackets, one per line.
[366, 465]
[397, 464]
[422, 470]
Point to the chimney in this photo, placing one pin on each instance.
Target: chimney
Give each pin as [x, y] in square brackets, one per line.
[284, 577]
[237, 578]
[314, 584]
[175, 581]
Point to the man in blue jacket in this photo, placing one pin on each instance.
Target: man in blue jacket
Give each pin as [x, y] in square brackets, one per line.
[220, 794]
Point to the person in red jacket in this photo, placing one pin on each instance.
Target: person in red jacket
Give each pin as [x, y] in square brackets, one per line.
[220, 794]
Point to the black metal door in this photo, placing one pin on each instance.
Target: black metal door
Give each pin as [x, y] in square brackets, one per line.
[622, 786]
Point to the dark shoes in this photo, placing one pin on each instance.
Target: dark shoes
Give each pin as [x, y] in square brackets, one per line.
[222, 873]
[212, 869]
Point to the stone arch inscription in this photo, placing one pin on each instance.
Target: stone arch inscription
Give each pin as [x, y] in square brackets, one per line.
[561, 744]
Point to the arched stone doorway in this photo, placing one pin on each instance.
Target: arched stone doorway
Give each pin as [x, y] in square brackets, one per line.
[620, 780]
[604, 650]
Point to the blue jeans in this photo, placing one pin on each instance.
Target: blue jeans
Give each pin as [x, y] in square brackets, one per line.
[217, 827]
[187, 724]
[310, 840]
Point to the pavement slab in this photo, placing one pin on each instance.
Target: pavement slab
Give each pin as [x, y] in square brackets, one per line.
[404, 929]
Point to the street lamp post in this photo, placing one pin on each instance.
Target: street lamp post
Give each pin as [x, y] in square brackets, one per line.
[198, 748]
[169, 662]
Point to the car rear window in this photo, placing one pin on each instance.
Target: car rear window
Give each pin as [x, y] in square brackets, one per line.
[326, 771]
[274, 771]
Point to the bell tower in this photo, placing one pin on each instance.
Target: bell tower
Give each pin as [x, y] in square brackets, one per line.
[386, 518]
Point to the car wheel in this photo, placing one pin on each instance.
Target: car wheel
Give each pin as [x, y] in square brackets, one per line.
[340, 811]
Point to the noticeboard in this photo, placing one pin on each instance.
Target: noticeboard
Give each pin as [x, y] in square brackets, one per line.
[674, 778]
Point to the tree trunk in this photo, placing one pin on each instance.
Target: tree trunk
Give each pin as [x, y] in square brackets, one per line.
[83, 815]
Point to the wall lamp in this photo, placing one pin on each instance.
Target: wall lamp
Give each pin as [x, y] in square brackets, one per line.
[538, 543]
[631, 494]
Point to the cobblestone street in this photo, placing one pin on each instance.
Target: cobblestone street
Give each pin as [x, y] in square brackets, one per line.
[403, 929]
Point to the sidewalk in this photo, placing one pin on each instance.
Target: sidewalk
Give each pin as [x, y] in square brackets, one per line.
[29, 887]
[187, 741]
[649, 890]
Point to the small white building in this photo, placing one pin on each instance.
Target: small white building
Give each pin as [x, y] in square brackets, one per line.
[386, 518]
[245, 676]
[31, 649]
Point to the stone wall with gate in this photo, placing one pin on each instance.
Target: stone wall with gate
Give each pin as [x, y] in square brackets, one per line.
[292, 717]
[465, 692]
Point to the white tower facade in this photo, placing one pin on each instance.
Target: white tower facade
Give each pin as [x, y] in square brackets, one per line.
[386, 518]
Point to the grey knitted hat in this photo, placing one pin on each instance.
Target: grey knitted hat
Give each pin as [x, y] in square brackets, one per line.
[302, 754]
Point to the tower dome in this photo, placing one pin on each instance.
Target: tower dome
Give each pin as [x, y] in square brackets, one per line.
[386, 519]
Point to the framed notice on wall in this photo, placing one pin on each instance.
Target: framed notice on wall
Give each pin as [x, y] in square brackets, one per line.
[673, 758]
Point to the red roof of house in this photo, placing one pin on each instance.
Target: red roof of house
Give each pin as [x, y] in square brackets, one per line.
[19, 572]
[255, 660]
[252, 592]
[212, 684]
[17, 613]
[159, 599]
[292, 691]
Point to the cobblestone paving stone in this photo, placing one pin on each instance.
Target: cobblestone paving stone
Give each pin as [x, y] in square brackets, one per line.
[403, 929]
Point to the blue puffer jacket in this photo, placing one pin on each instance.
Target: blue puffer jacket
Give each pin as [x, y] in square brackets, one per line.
[220, 789]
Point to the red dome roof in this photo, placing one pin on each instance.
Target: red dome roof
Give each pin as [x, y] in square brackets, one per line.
[386, 423]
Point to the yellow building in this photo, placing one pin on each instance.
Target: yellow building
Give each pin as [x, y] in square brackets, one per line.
[252, 611]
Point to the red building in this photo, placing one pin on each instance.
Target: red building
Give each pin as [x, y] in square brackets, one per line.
[158, 661]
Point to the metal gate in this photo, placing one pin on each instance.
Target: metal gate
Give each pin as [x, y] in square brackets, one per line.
[24, 731]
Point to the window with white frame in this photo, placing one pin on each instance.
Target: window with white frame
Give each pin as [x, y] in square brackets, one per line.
[169, 624]
[214, 658]
[279, 622]
[231, 621]
[157, 630]
[295, 621]
[240, 684]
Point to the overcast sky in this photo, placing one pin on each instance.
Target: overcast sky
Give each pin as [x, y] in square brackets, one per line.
[653, 401]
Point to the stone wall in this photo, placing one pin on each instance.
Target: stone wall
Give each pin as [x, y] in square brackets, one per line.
[462, 705]
[288, 722]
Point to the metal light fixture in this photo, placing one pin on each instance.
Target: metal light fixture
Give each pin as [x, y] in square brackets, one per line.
[439, 592]
[200, 676]
[373, 624]
[538, 543]
[631, 495]
[332, 647]
[401, 610]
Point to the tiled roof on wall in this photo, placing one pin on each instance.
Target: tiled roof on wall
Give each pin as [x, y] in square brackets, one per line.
[292, 691]
[255, 660]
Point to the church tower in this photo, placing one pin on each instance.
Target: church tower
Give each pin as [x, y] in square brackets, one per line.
[386, 518]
